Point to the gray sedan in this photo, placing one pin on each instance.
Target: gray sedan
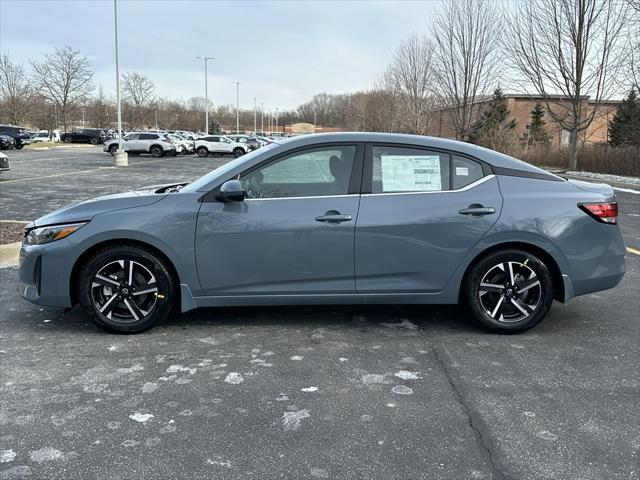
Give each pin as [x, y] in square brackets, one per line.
[356, 218]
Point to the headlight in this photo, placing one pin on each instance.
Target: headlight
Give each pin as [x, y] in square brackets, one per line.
[40, 235]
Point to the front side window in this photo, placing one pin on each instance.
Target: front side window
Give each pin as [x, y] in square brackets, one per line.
[318, 171]
[401, 169]
[131, 136]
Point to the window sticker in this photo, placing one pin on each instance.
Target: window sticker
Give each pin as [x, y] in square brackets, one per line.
[462, 171]
[410, 173]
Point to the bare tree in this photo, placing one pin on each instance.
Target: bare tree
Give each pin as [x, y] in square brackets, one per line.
[410, 76]
[566, 50]
[100, 109]
[64, 78]
[138, 90]
[466, 54]
[14, 90]
[633, 46]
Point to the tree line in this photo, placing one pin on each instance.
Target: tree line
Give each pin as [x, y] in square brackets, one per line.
[558, 50]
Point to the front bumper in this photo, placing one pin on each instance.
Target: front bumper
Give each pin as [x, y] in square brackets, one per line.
[44, 274]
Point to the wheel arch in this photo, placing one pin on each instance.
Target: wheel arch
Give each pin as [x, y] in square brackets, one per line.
[80, 261]
[549, 260]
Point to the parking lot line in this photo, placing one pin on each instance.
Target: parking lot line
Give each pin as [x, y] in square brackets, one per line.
[18, 180]
[633, 250]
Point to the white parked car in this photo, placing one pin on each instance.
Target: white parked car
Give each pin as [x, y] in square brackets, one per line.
[182, 144]
[41, 136]
[219, 144]
[157, 144]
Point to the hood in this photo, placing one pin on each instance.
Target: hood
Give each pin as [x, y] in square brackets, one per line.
[87, 209]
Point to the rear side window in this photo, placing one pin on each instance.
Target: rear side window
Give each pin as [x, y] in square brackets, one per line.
[465, 172]
[148, 136]
[401, 169]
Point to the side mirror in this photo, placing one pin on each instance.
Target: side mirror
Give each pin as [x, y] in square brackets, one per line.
[231, 191]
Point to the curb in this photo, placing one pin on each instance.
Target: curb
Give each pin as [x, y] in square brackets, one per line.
[9, 254]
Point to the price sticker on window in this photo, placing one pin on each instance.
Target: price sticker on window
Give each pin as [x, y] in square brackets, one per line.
[410, 173]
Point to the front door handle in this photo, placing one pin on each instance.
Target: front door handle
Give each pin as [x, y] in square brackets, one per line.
[333, 216]
[477, 210]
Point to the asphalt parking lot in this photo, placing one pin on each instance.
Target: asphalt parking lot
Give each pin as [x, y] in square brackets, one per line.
[308, 392]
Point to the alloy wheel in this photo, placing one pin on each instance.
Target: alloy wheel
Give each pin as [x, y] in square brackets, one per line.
[124, 291]
[510, 292]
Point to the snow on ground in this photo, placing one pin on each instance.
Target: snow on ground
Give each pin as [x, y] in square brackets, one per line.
[606, 177]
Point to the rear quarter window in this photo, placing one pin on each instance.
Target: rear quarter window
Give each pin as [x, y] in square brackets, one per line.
[465, 171]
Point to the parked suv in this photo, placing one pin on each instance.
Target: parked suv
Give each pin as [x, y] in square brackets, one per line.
[94, 136]
[19, 134]
[220, 144]
[6, 142]
[253, 142]
[157, 144]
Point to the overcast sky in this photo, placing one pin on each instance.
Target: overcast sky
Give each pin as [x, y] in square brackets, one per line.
[282, 51]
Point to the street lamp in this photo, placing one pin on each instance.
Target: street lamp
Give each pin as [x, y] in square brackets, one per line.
[277, 121]
[121, 158]
[255, 116]
[262, 118]
[238, 107]
[206, 94]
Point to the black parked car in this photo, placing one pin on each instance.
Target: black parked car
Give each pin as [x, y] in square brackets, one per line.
[94, 136]
[19, 134]
[7, 142]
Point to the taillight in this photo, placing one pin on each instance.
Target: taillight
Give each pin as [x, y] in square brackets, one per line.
[603, 212]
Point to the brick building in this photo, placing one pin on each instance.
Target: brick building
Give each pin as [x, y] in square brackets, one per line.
[520, 107]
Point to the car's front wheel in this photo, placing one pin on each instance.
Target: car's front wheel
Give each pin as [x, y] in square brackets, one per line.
[509, 291]
[126, 289]
[113, 149]
[67, 139]
[238, 152]
[20, 147]
[202, 152]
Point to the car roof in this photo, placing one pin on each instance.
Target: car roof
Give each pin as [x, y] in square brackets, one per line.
[492, 157]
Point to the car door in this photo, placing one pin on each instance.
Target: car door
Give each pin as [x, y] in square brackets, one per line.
[293, 234]
[130, 142]
[420, 213]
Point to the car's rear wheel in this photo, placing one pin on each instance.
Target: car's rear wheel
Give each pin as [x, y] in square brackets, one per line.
[202, 152]
[509, 291]
[156, 151]
[94, 141]
[126, 289]
[238, 152]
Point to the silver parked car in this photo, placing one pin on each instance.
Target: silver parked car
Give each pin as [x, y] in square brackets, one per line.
[157, 144]
[356, 218]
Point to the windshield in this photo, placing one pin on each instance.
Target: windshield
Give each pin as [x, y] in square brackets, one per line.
[200, 183]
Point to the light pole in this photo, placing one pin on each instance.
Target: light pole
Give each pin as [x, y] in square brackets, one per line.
[277, 121]
[255, 116]
[262, 118]
[314, 120]
[82, 117]
[238, 107]
[121, 158]
[206, 94]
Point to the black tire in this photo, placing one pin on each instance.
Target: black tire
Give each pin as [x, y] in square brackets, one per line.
[520, 279]
[129, 312]
[113, 149]
[156, 151]
[67, 139]
[20, 147]
[202, 152]
[94, 141]
[238, 152]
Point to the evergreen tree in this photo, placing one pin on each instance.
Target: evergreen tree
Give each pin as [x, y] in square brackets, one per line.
[494, 129]
[537, 134]
[624, 129]
[214, 127]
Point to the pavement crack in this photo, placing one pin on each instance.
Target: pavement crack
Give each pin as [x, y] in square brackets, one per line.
[475, 423]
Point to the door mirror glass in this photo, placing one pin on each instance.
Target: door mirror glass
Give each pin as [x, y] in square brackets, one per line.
[231, 191]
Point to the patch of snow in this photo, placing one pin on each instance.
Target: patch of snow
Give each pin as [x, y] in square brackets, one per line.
[408, 360]
[319, 473]
[342, 359]
[606, 176]
[141, 417]
[296, 358]
[149, 387]
[546, 435]
[220, 463]
[405, 375]
[291, 421]
[46, 454]
[180, 368]
[627, 190]
[135, 368]
[309, 389]
[256, 360]
[234, 378]
[113, 348]
[403, 324]
[372, 378]
[402, 390]
[7, 456]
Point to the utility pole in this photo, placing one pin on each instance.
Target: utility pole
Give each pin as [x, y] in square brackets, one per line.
[206, 95]
[238, 107]
[314, 120]
[262, 118]
[121, 157]
[277, 121]
[255, 116]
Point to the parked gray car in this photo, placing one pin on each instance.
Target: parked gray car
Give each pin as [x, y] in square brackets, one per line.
[354, 218]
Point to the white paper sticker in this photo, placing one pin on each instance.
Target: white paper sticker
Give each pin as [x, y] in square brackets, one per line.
[410, 173]
[462, 171]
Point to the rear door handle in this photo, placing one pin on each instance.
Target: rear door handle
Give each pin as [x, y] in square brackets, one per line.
[477, 210]
[333, 217]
